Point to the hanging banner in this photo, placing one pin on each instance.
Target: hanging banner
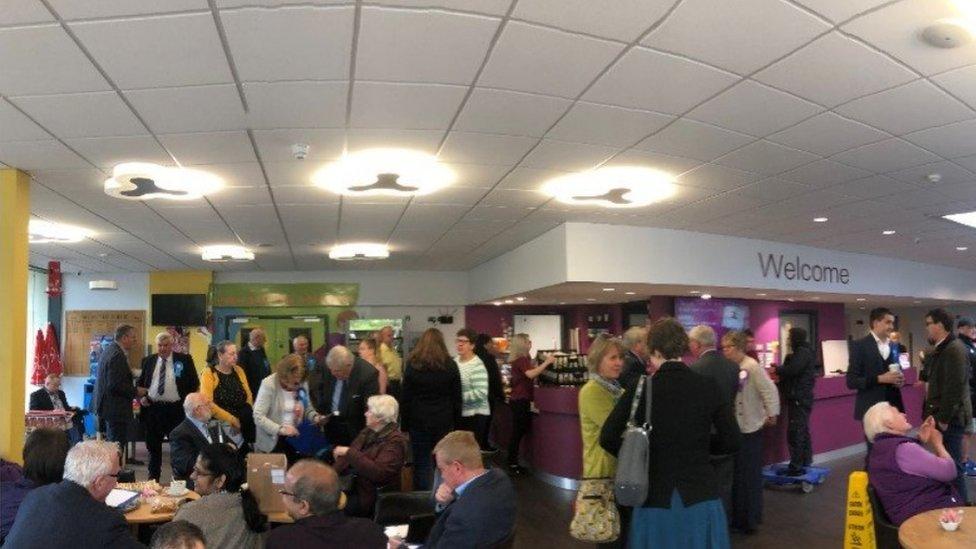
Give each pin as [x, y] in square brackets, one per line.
[54, 278]
[304, 294]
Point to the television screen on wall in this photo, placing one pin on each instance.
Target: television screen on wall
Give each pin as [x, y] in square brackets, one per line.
[179, 309]
[722, 315]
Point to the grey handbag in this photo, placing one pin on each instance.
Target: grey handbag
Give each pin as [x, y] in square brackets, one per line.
[632, 479]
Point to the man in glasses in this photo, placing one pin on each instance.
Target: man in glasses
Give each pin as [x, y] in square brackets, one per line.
[74, 509]
[311, 497]
[197, 430]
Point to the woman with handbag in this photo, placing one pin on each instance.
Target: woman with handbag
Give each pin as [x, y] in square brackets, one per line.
[225, 384]
[597, 519]
[682, 509]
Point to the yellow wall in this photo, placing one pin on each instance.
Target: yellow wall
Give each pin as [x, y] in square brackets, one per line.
[14, 215]
[181, 282]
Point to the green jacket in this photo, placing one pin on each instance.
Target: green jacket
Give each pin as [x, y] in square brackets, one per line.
[595, 404]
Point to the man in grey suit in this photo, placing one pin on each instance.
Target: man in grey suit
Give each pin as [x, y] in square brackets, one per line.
[713, 364]
[114, 388]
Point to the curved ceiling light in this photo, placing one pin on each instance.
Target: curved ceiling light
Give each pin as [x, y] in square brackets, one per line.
[392, 172]
[226, 253]
[43, 232]
[145, 181]
[612, 187]
[353, 251]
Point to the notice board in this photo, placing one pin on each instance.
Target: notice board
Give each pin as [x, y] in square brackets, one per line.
[86, 330]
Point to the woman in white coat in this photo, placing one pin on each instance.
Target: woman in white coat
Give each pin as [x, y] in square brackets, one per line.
[281, 406]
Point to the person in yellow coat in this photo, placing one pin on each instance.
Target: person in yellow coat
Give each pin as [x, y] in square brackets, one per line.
[225, 383]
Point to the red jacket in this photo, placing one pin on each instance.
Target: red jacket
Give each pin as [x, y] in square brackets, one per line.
[376, 459]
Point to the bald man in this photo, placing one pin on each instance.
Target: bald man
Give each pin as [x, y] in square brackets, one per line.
[254, 360]
[311, 497]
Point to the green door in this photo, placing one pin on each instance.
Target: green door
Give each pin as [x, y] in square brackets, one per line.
[281, 331]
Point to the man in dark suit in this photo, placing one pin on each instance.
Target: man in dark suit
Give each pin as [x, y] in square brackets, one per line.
[346, 384]
[713, 364]
[51, 397]
[114, 390]
[167, 377]
[198, 429]
[635, 360]
[73, 511]
[476, 506]
[254, 360]
[873, 368]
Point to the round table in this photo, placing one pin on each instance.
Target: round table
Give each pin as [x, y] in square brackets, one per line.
[144, 515]
[923, 531]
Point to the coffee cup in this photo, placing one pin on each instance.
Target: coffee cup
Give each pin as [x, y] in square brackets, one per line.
[177, 487]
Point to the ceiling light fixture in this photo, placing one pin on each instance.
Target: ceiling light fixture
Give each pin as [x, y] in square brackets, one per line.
[496, 303]
[862, 299]
[145, 181]
[357, 251]
[520, 298]
[962, 248]
[612, 187]
[391, 172]
[590, 299]
[820, 219]
[509, 301]
[226, 253]
[967, 218]
[761, 295]
[631, 293]
[706, 296]
[43, 232]
[888, 232]
[609, 289]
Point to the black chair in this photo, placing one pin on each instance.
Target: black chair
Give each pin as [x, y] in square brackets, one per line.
[397, 507]
[885, 533]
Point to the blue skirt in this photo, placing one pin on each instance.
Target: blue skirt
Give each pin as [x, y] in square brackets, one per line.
[701, 526]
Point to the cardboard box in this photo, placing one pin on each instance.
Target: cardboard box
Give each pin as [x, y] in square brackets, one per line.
[265, 476]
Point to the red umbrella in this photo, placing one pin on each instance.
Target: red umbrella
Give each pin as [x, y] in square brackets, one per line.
[53, 351]
[40, 372]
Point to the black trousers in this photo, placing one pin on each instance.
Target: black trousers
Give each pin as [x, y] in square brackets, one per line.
[798, 434]
[521, 423]
[159, 418]
[118, 432]
[747, 483]
[724, 472]
[476, 424]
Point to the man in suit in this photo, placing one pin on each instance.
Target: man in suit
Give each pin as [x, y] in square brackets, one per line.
[873, 368]
[254, 360]
[476, 506]
[168, 377]
[710, 363]
[114, 390]
[635, 360]
[51, 397]
[311, 497]
[346, 384]
[198, 429]
[73, 511]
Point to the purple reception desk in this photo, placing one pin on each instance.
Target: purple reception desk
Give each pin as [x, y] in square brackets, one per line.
[556, 442]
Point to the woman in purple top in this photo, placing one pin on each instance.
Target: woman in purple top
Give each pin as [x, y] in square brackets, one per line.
[909, 475]
[44, 453]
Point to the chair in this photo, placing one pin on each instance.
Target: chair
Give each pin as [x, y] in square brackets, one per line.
[885, 533]
[397, 507]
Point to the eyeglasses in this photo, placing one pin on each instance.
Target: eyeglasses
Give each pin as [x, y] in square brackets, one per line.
[462, 340]
[200, 473]
[292, 494]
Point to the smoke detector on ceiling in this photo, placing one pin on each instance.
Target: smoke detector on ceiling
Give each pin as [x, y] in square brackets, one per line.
[947, 34]
[102, 285]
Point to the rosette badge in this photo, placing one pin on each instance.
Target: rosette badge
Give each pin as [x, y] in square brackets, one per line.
[145, 181]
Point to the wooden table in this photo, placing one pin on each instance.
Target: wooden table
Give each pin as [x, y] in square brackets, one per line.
[144, 515]
[923, 531]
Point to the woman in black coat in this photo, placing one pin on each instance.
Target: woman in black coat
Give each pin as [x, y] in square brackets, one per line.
[797, 376]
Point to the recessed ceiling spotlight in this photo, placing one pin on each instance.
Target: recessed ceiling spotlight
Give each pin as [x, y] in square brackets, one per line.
[519, 298]
[815, 298]
[226, 253]
[947, 33]
[612, 187]
[43, 232]
[496, 303]
[917, 301]
[966, 218]
[862, 307]
[888, 232]
[145, 181]
[392, 172]
[791, 300]
[631, 293]
[694, 292]
[862, 299]
[562, 302]
[962, 248]
[509, 301]
[761, 295]
[820, 219]
[590, 299]
[706, 296]
[609, 289]
[103, 254]
[359, 251]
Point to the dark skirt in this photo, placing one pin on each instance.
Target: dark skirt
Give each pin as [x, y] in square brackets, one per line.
[700, 526]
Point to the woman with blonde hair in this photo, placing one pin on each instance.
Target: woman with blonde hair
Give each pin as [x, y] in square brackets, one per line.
[281, 406]
[524, 372]
[369, 350]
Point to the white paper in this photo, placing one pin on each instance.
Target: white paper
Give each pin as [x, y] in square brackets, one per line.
[118, 497]
[397, 531]
[277, 476]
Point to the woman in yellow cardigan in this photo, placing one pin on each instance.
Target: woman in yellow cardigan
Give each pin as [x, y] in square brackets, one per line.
[226, 385]
[596, 400]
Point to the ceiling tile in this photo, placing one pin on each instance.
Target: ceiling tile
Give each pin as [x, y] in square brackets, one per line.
[430, 217]
[106, 152]
[514, 198]
[835, 69]
[895, 29]
[824, 173]
[528, 179]
[291, 43]
[451, 52]
[240, 196]
[961, 83]
[510, 113]
[827, 134]
[302, 195]
[560, 63]
[560, 155]
[14, 126]
[951, 174]
[368, 222]
[754, 109]
[39, 155]
[44, 59]
[740, 36]
[479, 176]
[968, 161]
[195, 109]
[606, 125]
[459, 196]
[949, 141]
[914, 106]
[875, 186]
[491, 7]
[404, 106]
[323, 144]
[421, 140]
[622, 20]
[70, 182]
[635, 81]
[772, 189]
[766, 158]
[841, 10]
[20, 12]
[482, 148]
[671, 164]
[292, 173]
[239, 174]
[209, 148]
[710, 176]
[72, 9]
[695, 140]
[296, 104]
[100, 114]
[129, 50]
[886, 156]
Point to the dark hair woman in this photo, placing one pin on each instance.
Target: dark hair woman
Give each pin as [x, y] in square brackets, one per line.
[797, 376]
[430, 401]
[44, 453]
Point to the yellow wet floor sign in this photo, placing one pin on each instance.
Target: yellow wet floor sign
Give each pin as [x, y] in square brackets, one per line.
[859, 526]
